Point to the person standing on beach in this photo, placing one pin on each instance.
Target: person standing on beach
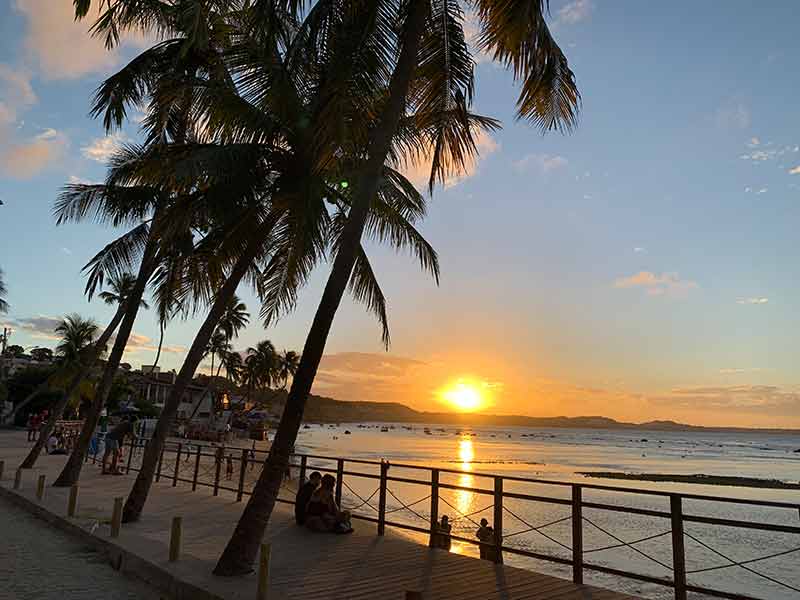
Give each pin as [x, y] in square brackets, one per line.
[114, 441]
[32, 426]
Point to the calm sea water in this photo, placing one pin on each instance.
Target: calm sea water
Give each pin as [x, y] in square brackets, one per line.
[558, 455]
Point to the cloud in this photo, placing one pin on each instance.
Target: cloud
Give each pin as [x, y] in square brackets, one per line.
[419, 172]
[748, 398]
[762, 191]
[766, 152]
[16, 94]
[472, 32]
[40, 326]
[756, 300]
[740, 371]
[640, 250]
[366, 376]
[25, 159]
[574, 12]
[754, 142]
[138, 342]
[657, 285]
[101, 149]
[542, 162]
[61, 47]
[66, 250]
[733, 117]
[795, 170]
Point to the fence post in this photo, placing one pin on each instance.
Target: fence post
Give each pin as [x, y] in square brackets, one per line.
[40, 488]
[434, 509]
[175, 539]
[116, 517]
[412, 595]
[218, 467]
[577, 535]
[303, 464]
[678, 552]
[263, 573]
[130, 456]
[160, 462]
[177, 466]
[2, 468]
[72, 505]
[339, 477]
[382, 498]
[18, 479]
[498, 520]
[242, 468]
[196, 467]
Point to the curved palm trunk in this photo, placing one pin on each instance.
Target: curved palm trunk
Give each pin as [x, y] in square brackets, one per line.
[141, 487]
[160, 343]
[57, 411]
[72, 470]
[241, 551]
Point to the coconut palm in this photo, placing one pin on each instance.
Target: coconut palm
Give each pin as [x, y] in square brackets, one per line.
[3, 292]
[288, 361]
[234, 319]
[234, 366]
[76, 351]
[431, 74]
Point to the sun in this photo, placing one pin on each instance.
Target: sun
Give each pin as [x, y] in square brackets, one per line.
[463, 396]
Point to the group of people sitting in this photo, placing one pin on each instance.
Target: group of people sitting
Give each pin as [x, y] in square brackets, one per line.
[315, 506]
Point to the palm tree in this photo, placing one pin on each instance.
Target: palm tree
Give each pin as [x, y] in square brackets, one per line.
[3, 292]
[119, 288]
[234, 319]
[234, 367]
[75, 350]
[432, 73]
[287, 366]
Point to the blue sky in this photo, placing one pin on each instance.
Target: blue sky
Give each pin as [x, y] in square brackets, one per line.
[644, 266]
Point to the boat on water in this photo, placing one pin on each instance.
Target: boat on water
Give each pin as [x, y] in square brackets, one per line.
[384, 429]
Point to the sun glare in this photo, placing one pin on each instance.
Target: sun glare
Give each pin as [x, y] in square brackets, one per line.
[463, 396]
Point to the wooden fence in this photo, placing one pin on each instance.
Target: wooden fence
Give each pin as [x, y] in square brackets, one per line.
[203, 465]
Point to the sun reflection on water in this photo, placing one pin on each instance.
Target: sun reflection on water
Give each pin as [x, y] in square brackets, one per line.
[463, 500]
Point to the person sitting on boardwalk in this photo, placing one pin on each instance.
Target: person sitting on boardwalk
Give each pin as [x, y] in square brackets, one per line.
[485, 534]
[442, 539]
[114, 440]
[322, 512]
[304, 493]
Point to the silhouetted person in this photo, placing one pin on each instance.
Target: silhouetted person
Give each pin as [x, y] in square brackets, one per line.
[485, 534]
[304, 493]
[443, 534]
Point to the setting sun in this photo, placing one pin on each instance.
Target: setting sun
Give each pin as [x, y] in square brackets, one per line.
[463, 396]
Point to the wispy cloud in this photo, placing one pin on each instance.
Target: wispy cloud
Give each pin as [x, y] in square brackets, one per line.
[754, 142]
[16, 94]
[752, 398]
[66, 250]
[574, 12]
[795, 170]
[736, 116]
[27, 158]
[541, 162]
[640, 250]
[657, 285]
[40, 326]
[101, 149]
[756, 300]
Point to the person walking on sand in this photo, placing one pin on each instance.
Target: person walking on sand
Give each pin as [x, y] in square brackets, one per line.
[114, 441]
[229, 467]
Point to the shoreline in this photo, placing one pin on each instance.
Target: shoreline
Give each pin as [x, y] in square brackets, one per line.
[699, 478]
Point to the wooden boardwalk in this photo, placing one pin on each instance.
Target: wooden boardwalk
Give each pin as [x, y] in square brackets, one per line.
[304, 565]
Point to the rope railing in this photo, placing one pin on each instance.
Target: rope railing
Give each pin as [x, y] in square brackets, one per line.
[201, 468]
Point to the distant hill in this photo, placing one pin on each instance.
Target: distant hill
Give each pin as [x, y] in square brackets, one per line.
[320, 409]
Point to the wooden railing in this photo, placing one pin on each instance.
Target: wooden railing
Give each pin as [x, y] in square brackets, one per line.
[186, 463]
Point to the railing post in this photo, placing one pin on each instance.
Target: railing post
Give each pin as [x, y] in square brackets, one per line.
[382, 498]
[18, 479]
[116, 517]
[196, 467]
[177, 465]
[303, 464]
[160, 462]
[242, 468]
[339, 476]
[678, 551]
[175, 539]
[130, 456]
[72, 505]
[498, 520]
[40, 488]
[577, 535]
[217, 468]
[2, 468]
[262, 592]
[434, 508]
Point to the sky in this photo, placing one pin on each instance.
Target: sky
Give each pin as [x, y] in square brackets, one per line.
[642, 267]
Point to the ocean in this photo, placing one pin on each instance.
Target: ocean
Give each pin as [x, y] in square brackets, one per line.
[559, 456]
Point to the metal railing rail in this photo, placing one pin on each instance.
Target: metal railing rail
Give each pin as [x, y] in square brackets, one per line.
[193, 453]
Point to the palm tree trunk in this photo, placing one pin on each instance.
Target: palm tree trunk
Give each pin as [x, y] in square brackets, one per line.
[240, 553]
[72, 470]
[160, 343]
[141, 487]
